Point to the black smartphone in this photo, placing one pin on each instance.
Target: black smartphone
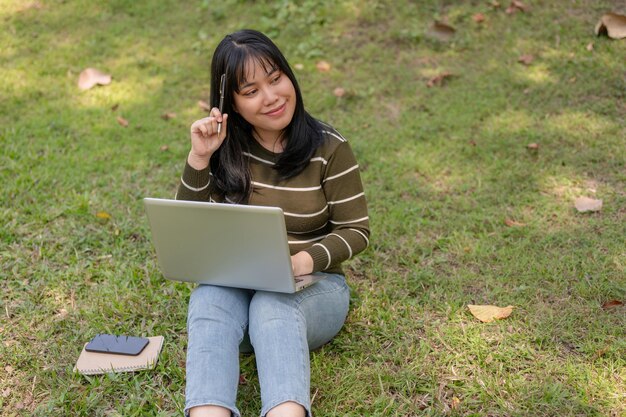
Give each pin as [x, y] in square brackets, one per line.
[119, 345]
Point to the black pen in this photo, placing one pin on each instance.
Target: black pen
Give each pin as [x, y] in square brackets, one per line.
[222, 88]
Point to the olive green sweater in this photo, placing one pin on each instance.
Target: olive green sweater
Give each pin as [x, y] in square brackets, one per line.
[324, 206]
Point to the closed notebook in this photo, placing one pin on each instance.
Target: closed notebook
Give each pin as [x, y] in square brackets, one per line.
[93, 363]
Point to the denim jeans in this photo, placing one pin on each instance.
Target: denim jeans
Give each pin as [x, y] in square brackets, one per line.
[282, 329]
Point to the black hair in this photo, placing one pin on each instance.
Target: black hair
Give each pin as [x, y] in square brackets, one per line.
[302, 136]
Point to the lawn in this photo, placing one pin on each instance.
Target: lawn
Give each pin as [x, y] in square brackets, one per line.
[463, 210]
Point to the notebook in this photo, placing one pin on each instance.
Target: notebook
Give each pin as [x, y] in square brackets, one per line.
[94, 363]
[231, 245]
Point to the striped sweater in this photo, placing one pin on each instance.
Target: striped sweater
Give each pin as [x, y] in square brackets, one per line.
[324, 206]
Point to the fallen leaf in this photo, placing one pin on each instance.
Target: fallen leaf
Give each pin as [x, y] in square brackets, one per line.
[322, 66]
[533, 146]
[585, 204]
[164, 148]
[123, 122]
[115, 106]
[168, 116]
[478, 18]
[439, 79]
[489, 313]
[90, 77]
[6, 392]
[590, 46]
[103, 215]
[613, 25]
[495, 4]
[441, 31]
[204, 105]
[516, 6]
[8, 369]
[62, 313]
[339, 92]
[612, 304]
[513, 223]
[299, 67]
[526, 59]
[455, 403]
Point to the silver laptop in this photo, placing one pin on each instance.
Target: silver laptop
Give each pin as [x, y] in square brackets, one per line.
[223, 244]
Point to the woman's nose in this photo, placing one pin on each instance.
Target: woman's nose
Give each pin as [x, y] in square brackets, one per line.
[269, 96]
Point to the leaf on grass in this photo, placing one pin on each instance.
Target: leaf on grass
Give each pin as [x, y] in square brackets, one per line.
[478, 18]
[6, 392]
[103, 215]
[204, 105]
[613, 25]
[323, 66]
[533, 146]
[516, 6]
[455, 403]
[168, 116]
[513, 223]
[91, 77]
[441, 31]
[439, 79]
[299, 66]
[526, 59]
[115, 106]
[488, 313]
[339, 92]
[164, 148]
[612, 304]
[123, 122]
[590, 46]
[585, 204]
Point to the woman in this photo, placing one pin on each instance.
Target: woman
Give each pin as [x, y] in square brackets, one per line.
[265, 149]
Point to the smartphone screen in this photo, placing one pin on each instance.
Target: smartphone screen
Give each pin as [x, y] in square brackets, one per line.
[120, 345]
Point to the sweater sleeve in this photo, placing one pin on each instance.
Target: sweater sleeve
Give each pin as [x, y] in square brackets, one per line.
[348, 216]
[195, 185]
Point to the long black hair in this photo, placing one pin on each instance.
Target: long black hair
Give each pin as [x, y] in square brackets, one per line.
[303, 135]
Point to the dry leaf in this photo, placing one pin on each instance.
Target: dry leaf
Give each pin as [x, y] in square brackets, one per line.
[115, 106]
[439, 79]
[526, 59]
[613, 25]
[516, 6]
[488, 313]
[590, 46]
[441, 31]
[123, 122]
[103, 215]
[455, 403]
[8, 369]
[513, 223]
[323, 66]
[62, 313]
[612, 304]
[90, 77]
[533, 146]
[478, 18]
[339, 92]
[168, 116]
[6, 392]
[204, 105]
[164, 148]
[299, 67]
[584, 204]
[495, 4]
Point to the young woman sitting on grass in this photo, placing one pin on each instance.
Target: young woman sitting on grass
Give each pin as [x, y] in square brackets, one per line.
[270, 152]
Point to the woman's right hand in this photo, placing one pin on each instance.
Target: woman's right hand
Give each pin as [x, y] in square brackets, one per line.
[204, 138]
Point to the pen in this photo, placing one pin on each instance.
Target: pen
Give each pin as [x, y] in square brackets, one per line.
[221, 107]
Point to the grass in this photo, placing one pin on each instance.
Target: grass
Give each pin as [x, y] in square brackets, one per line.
[443, 167]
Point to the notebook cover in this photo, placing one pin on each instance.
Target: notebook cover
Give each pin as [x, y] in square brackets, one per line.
[94, 363]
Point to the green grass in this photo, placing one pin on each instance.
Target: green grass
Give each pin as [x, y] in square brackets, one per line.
[443, 168]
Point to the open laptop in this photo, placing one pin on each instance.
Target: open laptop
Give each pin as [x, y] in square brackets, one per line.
[223, 244]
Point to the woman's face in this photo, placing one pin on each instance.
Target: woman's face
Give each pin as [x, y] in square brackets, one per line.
[267, 100]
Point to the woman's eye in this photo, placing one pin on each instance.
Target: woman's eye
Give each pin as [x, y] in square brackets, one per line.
[249, 93]
[275, 79]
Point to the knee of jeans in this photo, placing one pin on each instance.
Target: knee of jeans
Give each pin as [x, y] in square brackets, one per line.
[269, 309]
[216, 305]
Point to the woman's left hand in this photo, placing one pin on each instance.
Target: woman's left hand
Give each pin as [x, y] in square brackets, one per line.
[302, 263]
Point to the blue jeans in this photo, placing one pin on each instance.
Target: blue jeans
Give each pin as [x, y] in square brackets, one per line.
[282, 328]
